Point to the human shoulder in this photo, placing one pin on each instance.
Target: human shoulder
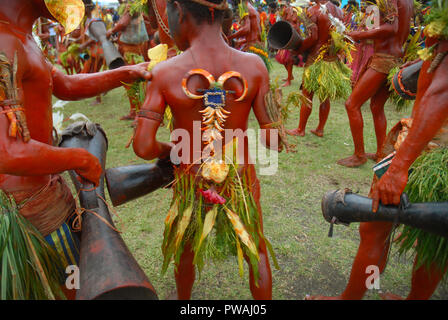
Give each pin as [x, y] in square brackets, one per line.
[166, 71]
[250, 60]
[11, 45]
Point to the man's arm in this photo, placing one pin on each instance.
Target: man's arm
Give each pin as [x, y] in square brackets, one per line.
[313, 35]
[36, 158]
[269, 136]
[33, 157]
[121, 24]
[150, 117]
[86, 85]
[429, 117]
[244, 29]
[385, 30]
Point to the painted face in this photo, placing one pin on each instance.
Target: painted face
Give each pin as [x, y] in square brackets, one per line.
[69, 13]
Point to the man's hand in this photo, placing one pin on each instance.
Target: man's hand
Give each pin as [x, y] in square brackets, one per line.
[409, 63]
[354, 35]
[389, 188]
[90, 168]
[140, 71]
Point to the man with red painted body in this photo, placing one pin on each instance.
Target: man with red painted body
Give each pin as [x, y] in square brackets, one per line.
[285, 57]
[250, 28]
[318, 29]
[388, 38]
[30, 167]
[420, 136]
[206, 57]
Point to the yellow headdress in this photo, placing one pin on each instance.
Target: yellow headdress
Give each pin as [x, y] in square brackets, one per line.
[69, 13]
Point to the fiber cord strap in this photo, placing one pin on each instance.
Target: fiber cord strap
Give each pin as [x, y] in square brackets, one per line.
[151, 115]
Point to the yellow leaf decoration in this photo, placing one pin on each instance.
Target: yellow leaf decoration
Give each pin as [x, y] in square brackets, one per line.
[172, 214]
[240, 258]
[69, 13]
[157, 54]
[209, 222]
[241, 231]
[183, 224]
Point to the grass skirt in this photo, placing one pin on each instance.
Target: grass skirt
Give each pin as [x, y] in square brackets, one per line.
[214, 230]
[328, 80]
[428, 182]
[30, 269]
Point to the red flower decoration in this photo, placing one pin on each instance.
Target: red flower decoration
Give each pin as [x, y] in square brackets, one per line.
[212, 196]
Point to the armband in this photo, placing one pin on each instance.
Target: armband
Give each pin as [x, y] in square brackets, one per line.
[151, 115]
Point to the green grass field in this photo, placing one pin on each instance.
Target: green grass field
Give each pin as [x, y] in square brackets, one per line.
[310, 262]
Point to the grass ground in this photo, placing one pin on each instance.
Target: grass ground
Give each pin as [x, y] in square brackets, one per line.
[310, 262]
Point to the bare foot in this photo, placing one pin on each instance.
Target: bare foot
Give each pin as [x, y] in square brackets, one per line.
[296, 132]
[319, 133]
[352, 161]
[390, 296]
[287, 83]
[373, 156]
[308, 297]
[130, 116]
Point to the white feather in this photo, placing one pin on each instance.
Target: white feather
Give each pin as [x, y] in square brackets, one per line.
[78, 116]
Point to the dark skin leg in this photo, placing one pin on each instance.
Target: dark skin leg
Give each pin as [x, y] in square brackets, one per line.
[379, 120]
[131, 115]
[424, 283]
[367, 86]
[305, 112]
[372, 251]
[185, 274]
[289, 66]
[324, 111]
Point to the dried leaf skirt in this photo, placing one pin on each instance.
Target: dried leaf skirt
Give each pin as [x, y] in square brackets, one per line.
[214, 230]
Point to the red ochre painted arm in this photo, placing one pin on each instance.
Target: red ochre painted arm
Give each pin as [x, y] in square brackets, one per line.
[243, 31]
[36, 158]
[428, 119]
[259, 108]
[121, 25]
[81, 86]
[145, 143]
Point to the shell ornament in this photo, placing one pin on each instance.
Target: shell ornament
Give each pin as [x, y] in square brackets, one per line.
[214, 116]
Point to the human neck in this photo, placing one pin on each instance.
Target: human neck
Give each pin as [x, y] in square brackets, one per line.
[206, 35]
[21, 14]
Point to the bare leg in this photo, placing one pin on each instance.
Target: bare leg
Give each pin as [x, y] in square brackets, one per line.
[379, 120]
[132, 103]
[424, 283]
[185, 274]
[305, 112]
[372, 251]
[264, 289]
[289, 67]
[368, 85]
[324, 111]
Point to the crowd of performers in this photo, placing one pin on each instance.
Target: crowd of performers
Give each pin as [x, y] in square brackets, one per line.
[192, 55]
